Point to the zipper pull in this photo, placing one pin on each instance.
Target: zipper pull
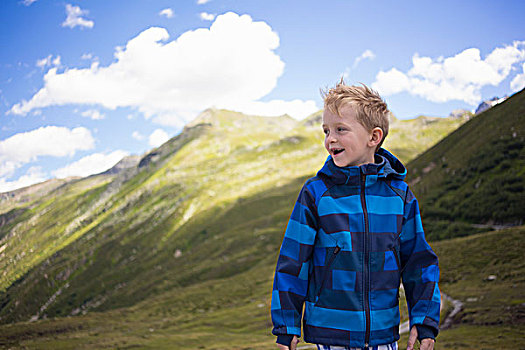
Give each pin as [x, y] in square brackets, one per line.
[336, 250]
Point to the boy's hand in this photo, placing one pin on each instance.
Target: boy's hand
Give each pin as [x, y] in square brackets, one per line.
[426, 344]
[293, 344]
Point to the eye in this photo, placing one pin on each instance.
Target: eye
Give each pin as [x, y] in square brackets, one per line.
[325, 131]
[340, 129]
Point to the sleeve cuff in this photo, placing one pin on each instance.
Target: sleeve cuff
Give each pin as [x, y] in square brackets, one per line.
[424, 332]
[284, 339]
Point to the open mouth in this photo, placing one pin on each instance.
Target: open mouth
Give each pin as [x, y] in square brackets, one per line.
[336, 151]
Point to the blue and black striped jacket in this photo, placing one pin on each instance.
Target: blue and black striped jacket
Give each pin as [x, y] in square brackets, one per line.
[353, 234]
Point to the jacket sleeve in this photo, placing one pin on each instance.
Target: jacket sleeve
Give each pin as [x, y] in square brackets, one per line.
[291, 275]
[420, 269]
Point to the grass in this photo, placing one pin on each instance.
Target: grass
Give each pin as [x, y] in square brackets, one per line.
[233, 312]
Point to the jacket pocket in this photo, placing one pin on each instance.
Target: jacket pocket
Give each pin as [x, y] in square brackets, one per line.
[398, 262]
[326, 270]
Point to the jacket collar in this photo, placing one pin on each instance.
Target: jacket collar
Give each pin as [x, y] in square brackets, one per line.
[385, 165]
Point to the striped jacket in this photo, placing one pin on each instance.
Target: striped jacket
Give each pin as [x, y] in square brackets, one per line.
[353, 234]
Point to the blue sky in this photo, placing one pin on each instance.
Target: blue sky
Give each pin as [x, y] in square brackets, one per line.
[84, 83]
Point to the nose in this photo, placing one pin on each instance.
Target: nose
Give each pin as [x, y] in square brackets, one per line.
[330, 138]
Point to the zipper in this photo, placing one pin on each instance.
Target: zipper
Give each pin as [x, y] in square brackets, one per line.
[337, 249]
[366, 258]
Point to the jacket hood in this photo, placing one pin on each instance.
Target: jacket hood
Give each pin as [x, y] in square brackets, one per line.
[385, 165]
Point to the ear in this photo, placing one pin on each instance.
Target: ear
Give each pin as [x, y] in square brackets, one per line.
[376, 135]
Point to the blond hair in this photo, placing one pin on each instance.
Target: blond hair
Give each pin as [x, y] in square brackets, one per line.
[371, 110]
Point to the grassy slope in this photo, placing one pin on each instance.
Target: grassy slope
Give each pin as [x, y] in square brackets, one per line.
[476, 175]
[233, 312]
[494, 311]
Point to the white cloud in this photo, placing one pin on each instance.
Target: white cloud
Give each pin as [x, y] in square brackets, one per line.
[367, 54]
[56, 61]
[92, 164]
[518, 83]
[53, 141]
[28, 2]
[391, 82]
[459, 77]
[44, 62]
[34, 175]
[167, 12]
[231, 65]
[137, 136]
[202, 2]
[74, 17]
[158, 137]
[48, 61]
[86, 56]
[205, 16]
[93, 114]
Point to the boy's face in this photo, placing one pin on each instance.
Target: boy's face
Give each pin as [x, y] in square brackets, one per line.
[347, 134]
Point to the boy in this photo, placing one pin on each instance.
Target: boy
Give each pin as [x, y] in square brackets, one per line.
[354, 232]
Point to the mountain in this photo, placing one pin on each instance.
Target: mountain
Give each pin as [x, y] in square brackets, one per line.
[474, 178]
[124, 163]
[181, 241]
[487, 104]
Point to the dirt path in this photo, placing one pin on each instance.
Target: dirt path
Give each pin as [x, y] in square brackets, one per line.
[457, 306]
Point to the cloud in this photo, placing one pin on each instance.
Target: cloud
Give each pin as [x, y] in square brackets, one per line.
[137, 135]
[367, 54]
[202, 2]
[74, 17]
[34, 175]
[459, 77]
[48, 61]
[167, 12]
[93, 114]
[230, 65]
[53, 141]
[158, 137]
[518, 83]
[92, 164]
[28, 2]
[207, 16]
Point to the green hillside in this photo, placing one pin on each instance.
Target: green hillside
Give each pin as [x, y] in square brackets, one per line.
[475, 177]
[177, 250]
[233, 312]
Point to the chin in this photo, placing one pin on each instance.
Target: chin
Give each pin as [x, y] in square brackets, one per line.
[340, 163]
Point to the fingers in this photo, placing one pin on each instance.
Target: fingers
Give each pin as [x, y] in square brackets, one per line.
[293, 344]
[412, 338]
[427, 344]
